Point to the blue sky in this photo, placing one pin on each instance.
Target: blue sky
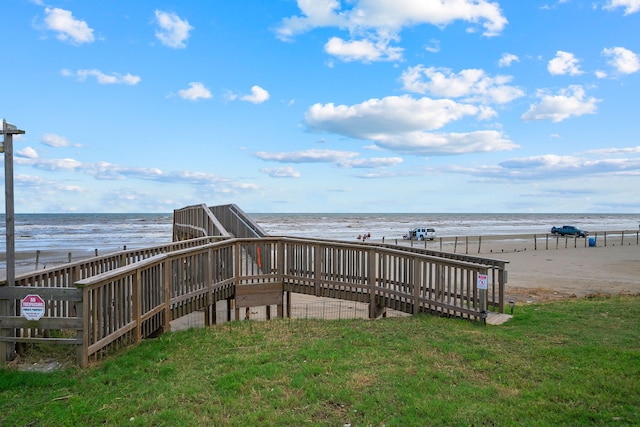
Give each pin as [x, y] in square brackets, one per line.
[324, 105]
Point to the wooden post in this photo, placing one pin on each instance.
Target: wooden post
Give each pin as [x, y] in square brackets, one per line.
[83, 311]
[417, 285]
[535, 242]
[317, 266]
[455, 244]
[479, 243]
[167, 293]
[371, 282]
[210, 309]
[136, 302]
[7, 307]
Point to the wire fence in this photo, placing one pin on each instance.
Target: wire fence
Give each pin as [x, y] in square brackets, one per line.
[324, 310]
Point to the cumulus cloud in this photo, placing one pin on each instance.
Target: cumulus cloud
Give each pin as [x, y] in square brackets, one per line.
[623, 60]
[102, 78]
[569, 102]
[564, 63]
[196, 91]
[380, 22]
[69, 29]
[362, 50]
[403, 124]
[173, 31]
[53, 140]
[471, 84]
[281, 172]
[27, 152]
[386, 115]
[630, 6]
[258, 95]
[507, 59]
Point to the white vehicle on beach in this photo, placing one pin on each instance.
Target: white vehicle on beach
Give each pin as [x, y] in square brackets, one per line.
[420, 234]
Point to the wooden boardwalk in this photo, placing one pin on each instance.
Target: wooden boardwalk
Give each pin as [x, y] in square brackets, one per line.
[109, 302]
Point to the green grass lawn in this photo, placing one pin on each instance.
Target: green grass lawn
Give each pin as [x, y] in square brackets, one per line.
[574, 362]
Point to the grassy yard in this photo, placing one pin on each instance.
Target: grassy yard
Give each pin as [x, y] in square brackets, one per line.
[574, 362]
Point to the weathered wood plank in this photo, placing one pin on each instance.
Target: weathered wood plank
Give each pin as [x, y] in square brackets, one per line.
[259, 294]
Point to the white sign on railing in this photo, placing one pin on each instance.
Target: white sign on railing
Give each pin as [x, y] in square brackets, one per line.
[32, 307]
[483, 281]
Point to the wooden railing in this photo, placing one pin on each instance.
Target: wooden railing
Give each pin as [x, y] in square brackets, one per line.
[125, 304]
[238, 223]
[196, 221]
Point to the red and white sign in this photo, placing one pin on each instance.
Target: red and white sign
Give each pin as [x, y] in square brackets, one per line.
[483, 281]
[32, 307]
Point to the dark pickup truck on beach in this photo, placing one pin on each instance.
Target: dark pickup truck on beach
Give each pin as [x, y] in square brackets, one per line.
[569, 230]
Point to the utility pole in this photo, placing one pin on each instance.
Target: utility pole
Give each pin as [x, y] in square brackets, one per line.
[6, 307]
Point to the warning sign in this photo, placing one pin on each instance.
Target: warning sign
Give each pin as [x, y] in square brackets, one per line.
[32, 307]
[483, 281]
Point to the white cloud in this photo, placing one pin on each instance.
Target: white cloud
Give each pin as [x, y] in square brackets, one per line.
[28, 152]
[623, 60]
[344, 159]
[631, 6]
[381, 21]
[372, 163]
[402, 123]
[282, 172]
[471, 84]
[173, 31]
[393, 15]
[426, 143]
[196, 91]
[507, 59]
[308, 156]
[386, 115]
[102, 78]
[564, 63]
[67, 27]
[433, 46]
[49, 185]
[569, 102]
[110, 171]
[614, 150]
[258, 95]
[362, 50]
[53, 140]
[552, 167]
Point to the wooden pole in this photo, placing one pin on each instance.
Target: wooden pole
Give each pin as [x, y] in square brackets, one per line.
[7, 307]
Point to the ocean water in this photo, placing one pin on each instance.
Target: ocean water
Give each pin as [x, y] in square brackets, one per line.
[112, 232]
[395, 225]
[87, 232]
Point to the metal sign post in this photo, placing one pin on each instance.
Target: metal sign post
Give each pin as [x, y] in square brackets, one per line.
[6, 309]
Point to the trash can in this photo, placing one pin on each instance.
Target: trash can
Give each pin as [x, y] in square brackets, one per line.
[592, 242]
